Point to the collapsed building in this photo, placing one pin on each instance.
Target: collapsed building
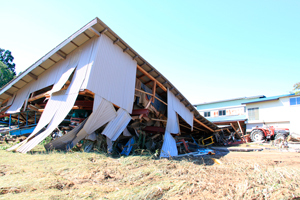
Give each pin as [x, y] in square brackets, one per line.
[94, 70]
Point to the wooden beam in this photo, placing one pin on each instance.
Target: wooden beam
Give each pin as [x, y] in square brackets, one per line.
[15, 87]
[73, 108]
[135, 57]
[241, 130]
[233, 127]
[202, 124]
[38, 97]
[94, 31]
[74, 44]
[126, 49]
[104, 31]
[52, 60]
[153, 91]
[116, 41]
[35, 77]
[61, 55]
[142, 91]
[8, 93]
[152, 78]
[32, 107]
[6, 100]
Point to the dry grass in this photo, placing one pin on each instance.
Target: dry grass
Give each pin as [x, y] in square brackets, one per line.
[80, 175]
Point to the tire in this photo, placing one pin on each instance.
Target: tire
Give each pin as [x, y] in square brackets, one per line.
[280, 136]
[257, 135]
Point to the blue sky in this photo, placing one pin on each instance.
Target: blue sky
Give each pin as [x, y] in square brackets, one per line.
[210, 50]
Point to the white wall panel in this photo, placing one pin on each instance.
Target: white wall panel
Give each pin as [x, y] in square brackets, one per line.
[113, 74]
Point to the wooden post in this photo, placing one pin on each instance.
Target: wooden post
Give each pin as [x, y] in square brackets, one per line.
[153, 91]
[241, 130]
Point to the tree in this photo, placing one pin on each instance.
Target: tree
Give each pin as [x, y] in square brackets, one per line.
[7, 67]
[296, 88]
[7, 59]
[5, 74]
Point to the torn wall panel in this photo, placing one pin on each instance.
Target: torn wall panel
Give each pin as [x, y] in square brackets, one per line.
[179, 107]
[104, 113]
[117, 125]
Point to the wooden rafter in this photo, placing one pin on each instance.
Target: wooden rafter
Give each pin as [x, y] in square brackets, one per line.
[35, 77]
[152, 78]
[94, 31]
[202, 124]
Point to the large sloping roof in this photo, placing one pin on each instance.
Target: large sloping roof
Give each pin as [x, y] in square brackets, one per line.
[95, 27]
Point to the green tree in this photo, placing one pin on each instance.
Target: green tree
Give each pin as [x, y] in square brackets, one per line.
[5, 74]
[7, 59]
[296, 88]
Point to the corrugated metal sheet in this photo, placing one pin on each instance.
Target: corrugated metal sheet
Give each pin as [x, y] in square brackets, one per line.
[117, 125]
[169, 147]
[113, 74]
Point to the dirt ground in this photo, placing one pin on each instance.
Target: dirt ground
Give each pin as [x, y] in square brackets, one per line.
[286, 159]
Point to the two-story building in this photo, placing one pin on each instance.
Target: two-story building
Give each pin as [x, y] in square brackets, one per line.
[281, 111]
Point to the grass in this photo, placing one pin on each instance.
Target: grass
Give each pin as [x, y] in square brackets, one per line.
[78, 175]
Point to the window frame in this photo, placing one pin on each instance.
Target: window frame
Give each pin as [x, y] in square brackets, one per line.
[207, 114]
[223, 112]
[297, 101]
[256, 115]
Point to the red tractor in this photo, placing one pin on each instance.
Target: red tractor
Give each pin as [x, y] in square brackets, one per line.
[258, 134]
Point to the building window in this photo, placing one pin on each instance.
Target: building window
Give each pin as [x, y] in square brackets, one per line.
[206, 114]
[295, 101]
[222, 112]
[253, 113]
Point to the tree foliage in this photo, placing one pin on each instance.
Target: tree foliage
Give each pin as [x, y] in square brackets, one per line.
[296, 88]
[7, 67]
[5, 74]
[7, 59]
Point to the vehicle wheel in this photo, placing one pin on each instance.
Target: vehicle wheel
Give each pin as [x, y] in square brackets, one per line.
[257, 135]
[280, 136]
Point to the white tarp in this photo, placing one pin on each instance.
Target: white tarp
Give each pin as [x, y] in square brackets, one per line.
[169, 147]
[61, 102]
[113, 74]
[117, 125]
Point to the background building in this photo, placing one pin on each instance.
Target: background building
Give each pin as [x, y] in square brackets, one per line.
[281, 111]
